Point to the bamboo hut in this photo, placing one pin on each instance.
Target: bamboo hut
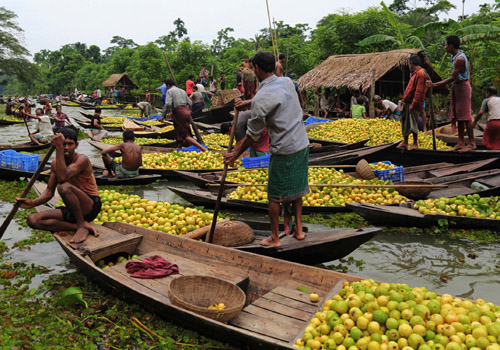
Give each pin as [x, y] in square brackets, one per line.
[389, 70]
[120, 80]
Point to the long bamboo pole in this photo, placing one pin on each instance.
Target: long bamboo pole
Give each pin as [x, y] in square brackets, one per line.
[276, 40]
[270, 27]
[169, 68]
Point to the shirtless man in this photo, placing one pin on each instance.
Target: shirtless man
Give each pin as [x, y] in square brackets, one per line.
[73, 177]
[131, 158]
[278, 71]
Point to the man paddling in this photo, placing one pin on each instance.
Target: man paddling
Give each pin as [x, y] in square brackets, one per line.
[277, 108]
[73, 177]
[461, 94]
[44, 132]
[178, 101]
[131, 158]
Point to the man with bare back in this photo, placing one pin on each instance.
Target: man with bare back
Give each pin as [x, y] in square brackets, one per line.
[131, 157]
[73, 177]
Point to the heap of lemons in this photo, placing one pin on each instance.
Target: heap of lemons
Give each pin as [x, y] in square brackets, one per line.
[471, 205]
[217, 141]
[10, 118]
[219, 306]
[142, 141]
[382, 166]
[378, 131]
[130, 107]
[367, 315]
[113, 125]
[319, 196]
[152, 123]
[184, 160]
[159, 216]
[112, 120]
[165, 129]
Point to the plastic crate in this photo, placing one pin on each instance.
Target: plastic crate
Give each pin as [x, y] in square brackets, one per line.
[312, 120]
[396, 174]
[30, 162]
[255, 162]
[8, 159]
[192, 148]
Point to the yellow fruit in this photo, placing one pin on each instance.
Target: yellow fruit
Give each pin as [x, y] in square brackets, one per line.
[314, 297]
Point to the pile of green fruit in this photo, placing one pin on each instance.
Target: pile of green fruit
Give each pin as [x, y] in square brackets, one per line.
[113, 125]
[217, 141]
[11, 118]
[471, 205]
[382, 166]
[184, 160]
[152, 123]
[142, 141]
[112, 120]
[319, 196]
[379, 131]
[165, 129]
[102, 264]
[367, 315]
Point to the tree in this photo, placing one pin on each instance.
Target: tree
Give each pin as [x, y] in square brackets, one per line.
[223, 41]
[180, 30]
[12, 53]
[123, 43]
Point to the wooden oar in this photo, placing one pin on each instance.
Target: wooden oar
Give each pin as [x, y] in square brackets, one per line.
[14, 209]
[210, 236]
[343, 185]
[433, 122]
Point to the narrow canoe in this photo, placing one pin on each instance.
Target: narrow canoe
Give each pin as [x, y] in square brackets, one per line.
[216, 115]
[10, 122]
[446, 134]
[409, 217]
[24, 147]
[86, 125]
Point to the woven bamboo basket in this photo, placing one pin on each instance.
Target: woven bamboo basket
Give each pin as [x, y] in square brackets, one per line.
[229, 95]
[364, 171]
[414, 193]
[233, 234]
[197, 293]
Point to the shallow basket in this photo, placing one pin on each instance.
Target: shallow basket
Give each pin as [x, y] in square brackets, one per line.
[415, 193]
[197, 293]
[364, 171]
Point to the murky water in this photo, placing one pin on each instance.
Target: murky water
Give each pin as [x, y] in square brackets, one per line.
[418, 260]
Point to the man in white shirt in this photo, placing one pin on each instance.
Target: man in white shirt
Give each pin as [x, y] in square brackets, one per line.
[99, 97]
[385, 108]
[44, 133]
[491, 106]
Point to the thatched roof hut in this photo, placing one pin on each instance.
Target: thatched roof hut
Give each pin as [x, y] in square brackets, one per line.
[120, 80]
[355, 71]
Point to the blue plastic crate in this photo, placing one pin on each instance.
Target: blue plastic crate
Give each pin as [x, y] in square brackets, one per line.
[30, 162]
[7, 160]
[192, 148]
[255, 162]
[312, 120]
[395, 175]
[17, 162]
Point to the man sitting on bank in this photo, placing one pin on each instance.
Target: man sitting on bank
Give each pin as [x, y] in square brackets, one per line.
[131, 158]
[73, 177]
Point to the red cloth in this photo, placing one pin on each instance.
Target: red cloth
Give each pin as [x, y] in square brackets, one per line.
[262, 145]
[491, 135]
[152, 267]
[249, 87]
[189, 87]
[416, 89]
[460, 103]
[181, 117]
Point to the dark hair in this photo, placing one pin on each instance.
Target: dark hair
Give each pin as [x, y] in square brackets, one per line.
[211, 77]
[492, 90]
[191, 77]
[265, 61]
[170, 82]
[165, 81]
[39, 109]
[134, 104]
[195, 87]
[97, 110]
[281, 56]
[415, 60]
[224, 128]
[453, 40]
[69, 134]
[246, 56]
[360, 100]
[128, 135]
[204, 65]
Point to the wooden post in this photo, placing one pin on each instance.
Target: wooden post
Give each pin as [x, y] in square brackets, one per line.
[372, 93]
[270, 28]
[276, 40]
[316, 105]
[169, 68]
[287, 53]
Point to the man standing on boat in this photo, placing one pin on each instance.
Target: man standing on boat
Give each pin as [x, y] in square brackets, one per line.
[461, 94]
[490, 105]
[179, 103]
[277, 108]
[144, 107]
[73, 177]
[131, 158]
[413, 98]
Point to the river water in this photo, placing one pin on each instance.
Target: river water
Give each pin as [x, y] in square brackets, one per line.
[418, 260]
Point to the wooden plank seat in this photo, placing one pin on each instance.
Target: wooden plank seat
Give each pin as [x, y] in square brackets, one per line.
[108, 242]
[186, 267]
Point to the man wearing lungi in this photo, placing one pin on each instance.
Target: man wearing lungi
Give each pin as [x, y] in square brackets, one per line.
[277, 108]
[461, 94]
[179, 103]
[490, 105]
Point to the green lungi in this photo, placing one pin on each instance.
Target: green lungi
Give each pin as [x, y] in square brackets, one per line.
[254, 153]
[409, 121]
[288, 179]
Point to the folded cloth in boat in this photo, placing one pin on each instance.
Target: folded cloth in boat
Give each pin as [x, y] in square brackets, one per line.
[152, 267]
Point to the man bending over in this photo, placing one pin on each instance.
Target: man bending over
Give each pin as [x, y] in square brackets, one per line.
[131, 157]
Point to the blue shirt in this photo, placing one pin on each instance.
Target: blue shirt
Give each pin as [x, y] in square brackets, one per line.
[461, 76]
[163, 89]
[276, 107]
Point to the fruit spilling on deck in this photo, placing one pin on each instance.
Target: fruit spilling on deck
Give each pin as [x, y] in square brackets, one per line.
[112, 120]
[366, 315]
[320, 196]
[165, 129]
[217, 141]
[471, 205]
[378, 131]
[142, 141]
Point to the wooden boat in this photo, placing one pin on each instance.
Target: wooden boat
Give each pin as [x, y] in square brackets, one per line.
[10, 122]
[24, 147]
[275, 313]
[216, 115]
[409, 217]
[446, 134]
[207, 199]
[351, 156]
[130, 125]
[65, 104]
[87, 125]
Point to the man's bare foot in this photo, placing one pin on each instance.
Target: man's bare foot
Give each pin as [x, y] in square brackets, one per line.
[299, 236]
[412, 147]
[270, 242]
[467, 148]
[82, 233]
[108, 174]
[458, 146]
[402, 145]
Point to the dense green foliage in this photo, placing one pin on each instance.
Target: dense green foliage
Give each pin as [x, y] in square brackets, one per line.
[402, 24]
